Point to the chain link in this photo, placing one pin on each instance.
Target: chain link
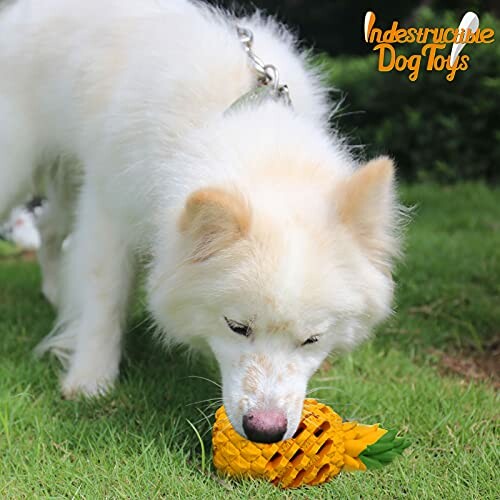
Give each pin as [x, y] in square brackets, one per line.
[267, 74]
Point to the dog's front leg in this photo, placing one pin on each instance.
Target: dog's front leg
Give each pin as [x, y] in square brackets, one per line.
[97, 281]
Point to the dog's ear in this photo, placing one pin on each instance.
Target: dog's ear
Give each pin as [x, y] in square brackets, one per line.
[214, 218]
[366, 203]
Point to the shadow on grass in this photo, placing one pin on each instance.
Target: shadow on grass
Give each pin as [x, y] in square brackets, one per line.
[158, 391]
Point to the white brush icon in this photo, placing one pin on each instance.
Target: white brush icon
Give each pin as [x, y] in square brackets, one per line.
[369, 22]
[470, 21]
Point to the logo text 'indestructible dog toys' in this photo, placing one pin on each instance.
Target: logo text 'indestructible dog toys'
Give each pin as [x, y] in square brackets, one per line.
[432, 40]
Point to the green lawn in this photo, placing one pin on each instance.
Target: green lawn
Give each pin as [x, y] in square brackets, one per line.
[137, 443]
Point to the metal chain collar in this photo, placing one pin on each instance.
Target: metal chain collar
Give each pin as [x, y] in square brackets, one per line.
[267, 74]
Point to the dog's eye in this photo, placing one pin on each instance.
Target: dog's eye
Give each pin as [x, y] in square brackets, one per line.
[239, 328]
[311, 340]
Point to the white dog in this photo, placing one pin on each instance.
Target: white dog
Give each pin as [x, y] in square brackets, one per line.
[21, 229]
[266, 240]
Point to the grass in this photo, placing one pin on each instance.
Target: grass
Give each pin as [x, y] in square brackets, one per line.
[138, 442]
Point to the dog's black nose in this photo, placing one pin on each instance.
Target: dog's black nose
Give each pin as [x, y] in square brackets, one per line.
[265, 426]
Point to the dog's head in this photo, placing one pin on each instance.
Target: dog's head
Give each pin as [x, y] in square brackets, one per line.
[274, 282]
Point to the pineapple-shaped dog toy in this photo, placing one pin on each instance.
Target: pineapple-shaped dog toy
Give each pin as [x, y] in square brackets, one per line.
[322, 447]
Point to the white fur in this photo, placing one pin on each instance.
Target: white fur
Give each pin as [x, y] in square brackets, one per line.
[132, 94]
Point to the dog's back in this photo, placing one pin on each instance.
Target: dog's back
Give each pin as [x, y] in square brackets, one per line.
[72, 64]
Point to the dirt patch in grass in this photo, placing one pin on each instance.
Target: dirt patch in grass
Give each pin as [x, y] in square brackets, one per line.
[473, 364]
[18, 255]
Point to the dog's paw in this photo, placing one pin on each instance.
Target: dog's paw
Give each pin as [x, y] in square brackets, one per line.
[75, 386]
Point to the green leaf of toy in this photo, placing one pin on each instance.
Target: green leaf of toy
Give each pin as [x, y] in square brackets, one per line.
[371, 463]
[387, 457]
[389, 436]
[380, 447]
[384, 451]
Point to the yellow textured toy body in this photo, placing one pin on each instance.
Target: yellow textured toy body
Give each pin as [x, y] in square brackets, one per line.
[321, 448]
